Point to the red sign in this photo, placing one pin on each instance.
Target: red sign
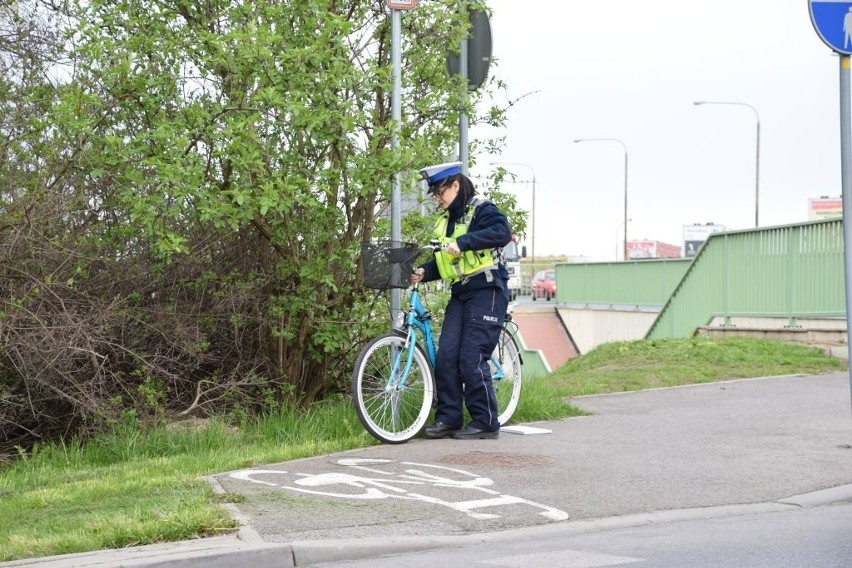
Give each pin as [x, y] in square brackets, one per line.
[651, 249]
[401, 4]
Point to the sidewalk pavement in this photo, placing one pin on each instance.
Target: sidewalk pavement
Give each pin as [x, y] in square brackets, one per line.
[709, 450]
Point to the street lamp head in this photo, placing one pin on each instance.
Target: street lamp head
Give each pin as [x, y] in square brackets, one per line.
[619, 140]
[698, 103]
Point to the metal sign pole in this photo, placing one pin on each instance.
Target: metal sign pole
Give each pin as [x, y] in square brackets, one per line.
[846, 183]
[832, 21]
[396, 116]
[463, 71]
[472, 64]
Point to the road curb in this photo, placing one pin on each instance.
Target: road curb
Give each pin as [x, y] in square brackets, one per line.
[214, 552]
[839, 494]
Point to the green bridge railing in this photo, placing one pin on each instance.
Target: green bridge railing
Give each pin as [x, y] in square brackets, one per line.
[638, 283]
[788, 271]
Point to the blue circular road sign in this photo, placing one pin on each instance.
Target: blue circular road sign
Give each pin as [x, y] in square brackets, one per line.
[832, 20]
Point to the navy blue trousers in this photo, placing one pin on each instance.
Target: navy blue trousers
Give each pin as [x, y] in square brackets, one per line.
[471, 329]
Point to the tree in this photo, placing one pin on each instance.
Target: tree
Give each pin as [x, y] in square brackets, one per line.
[211, 172]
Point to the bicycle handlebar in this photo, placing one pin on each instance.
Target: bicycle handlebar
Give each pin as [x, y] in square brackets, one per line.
[433, 246]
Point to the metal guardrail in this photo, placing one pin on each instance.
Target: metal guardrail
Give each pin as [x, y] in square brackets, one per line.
[790, 271]
[637, 283]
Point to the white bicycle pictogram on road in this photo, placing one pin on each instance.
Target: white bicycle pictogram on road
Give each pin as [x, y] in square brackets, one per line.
[387, 484]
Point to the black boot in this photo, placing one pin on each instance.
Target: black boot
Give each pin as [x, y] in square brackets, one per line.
[471, 433]
[439, 430]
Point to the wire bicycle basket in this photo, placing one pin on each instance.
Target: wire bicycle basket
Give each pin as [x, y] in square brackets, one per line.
[388, 264]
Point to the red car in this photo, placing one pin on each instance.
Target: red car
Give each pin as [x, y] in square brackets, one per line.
[544, 285]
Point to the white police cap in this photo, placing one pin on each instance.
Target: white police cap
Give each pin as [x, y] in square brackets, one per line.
[436, 174]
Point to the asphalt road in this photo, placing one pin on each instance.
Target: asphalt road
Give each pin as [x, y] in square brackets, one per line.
[792, 538]
[716, 453]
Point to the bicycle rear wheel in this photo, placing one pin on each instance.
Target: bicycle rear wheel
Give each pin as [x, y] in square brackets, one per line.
[393, 404]
[506, 379]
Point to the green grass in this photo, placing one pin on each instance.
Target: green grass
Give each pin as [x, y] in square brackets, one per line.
[138, 486]
[627, 366]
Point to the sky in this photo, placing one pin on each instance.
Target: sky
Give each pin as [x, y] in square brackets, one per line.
[631, 71]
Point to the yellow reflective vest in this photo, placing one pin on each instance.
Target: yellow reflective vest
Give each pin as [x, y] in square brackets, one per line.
[469, 262]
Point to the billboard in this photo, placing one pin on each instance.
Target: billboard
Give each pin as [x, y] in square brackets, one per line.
[825, 208]
[651, 249]
[695, 235]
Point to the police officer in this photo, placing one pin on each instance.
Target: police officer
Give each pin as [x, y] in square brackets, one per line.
[472, 232]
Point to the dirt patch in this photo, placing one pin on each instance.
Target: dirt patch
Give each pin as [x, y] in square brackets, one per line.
[495, 459]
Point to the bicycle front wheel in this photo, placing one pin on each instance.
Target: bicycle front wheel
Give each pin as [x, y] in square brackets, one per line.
[506, 376]
[392, 398]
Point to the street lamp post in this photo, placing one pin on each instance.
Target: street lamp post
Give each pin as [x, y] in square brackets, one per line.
[623, 145]
[618, 230]
[532, 220]
[756, 152]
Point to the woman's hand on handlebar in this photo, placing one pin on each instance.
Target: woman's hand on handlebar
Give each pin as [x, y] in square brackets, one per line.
[417, 275]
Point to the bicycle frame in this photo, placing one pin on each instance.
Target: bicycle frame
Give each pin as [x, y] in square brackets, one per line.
[418, 318]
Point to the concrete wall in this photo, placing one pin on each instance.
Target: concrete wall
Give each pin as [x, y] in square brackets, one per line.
[767, 322]
[828, 333]
[592, 327]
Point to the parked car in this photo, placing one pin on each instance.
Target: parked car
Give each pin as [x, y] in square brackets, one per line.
[544, 285]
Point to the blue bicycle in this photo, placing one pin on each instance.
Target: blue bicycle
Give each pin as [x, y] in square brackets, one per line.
[393, 383]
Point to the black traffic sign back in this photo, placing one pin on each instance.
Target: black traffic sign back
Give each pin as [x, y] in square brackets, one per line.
[478, 51]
